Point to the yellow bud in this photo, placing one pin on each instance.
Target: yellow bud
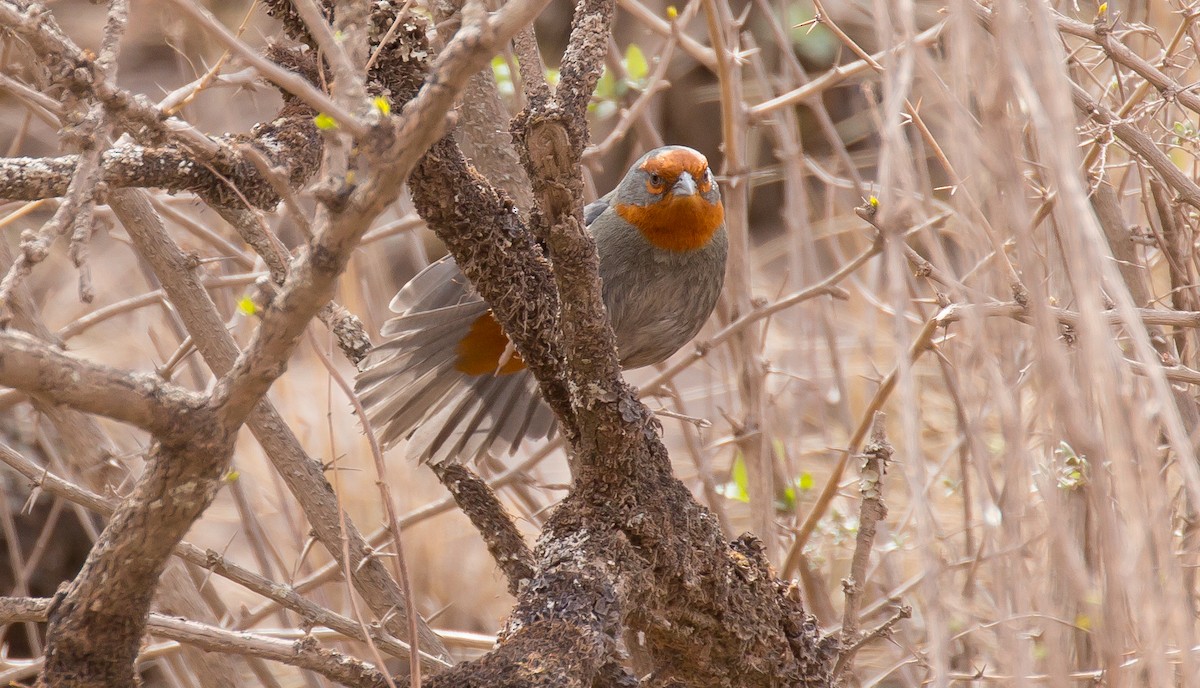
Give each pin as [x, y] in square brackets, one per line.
[246, 306]
[325, 122]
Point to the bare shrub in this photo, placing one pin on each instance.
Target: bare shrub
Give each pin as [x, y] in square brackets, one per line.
[979, 220]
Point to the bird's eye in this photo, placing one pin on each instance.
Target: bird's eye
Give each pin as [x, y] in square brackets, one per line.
[655, 180]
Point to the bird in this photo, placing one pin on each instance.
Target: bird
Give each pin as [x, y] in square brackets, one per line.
[447, 379]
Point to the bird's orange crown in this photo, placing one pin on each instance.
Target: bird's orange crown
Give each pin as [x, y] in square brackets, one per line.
[669, 221]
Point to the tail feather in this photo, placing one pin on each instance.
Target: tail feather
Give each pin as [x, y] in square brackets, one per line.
[542, 422]
[385, 363]
[403, 412]
[488, 426]
[394, 367]
[443, 436]
[431, 323]
[411, 387]
[440, 284]
[399, 375]
[428, 442]
[536, 419]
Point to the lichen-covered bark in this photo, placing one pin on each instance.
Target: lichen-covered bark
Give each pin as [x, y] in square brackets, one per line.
[95, 631]
[629, 554]
[479, 503]
[485, 233]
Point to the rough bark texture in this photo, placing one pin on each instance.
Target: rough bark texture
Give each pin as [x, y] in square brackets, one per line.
[96, 628]
[629, 553]
[479, 503]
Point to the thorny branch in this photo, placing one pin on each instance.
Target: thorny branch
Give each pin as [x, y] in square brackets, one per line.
[29, 364]
[77, 73]
[304, 654]
[554, 137]
[140, 535]
[872, 511]
[285, 595]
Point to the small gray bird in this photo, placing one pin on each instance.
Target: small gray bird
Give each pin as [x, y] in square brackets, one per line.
[448, 380]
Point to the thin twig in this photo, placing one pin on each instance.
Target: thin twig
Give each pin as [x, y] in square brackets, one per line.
[289, 81]
[839, 74]
[875, 458]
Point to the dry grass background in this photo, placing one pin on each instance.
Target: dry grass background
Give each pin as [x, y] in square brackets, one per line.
[1042, 520]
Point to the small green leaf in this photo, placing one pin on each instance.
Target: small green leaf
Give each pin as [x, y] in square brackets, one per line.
[246, 306]
[382, 105]
[325, 122]
[1072, 469]
[1065, 451]
[635, 63]
[740, 477]
[737, 486]
[500, 69]
[232, 476]
[810, 38]
[806, 481]
[606, 87]
[672, 12]
[788, 503]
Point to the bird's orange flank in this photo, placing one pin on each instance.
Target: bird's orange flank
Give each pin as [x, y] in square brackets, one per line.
[480, 351]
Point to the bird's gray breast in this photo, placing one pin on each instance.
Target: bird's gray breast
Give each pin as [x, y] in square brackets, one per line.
[657, 299]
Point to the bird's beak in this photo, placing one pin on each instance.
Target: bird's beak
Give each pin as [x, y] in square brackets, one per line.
[684, 186]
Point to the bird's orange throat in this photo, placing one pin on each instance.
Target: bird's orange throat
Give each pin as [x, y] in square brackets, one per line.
[676, 223]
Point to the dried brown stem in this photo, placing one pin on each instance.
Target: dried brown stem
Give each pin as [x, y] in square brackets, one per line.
[145, 401]
[293, 83]
[304, 476]
[1140, 144]
[839, 74]
[33, 23]
[304, 654]
[871, 512]
[285, 596]
[479, 503]
[234, 184]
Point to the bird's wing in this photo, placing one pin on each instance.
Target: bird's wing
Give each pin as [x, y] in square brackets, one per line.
[440, 284]
[593, 210]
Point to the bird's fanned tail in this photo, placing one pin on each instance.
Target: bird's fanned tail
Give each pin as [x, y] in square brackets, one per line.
[413, 386]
